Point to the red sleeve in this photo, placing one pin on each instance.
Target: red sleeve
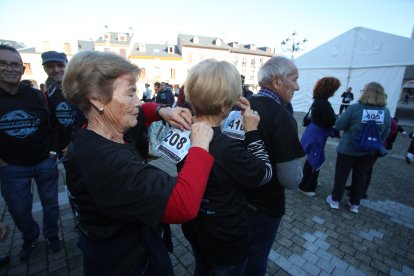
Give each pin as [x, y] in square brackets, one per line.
[181, 97]
[150, 113]
[185, 199]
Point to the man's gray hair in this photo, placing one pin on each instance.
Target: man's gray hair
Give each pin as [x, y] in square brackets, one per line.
[276, 66]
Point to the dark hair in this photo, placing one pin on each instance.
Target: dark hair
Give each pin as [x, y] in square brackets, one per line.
[7, 47]
[27, 82]
[325, 88]
[156, 84]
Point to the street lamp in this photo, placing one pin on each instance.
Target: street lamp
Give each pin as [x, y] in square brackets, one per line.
[292, 44]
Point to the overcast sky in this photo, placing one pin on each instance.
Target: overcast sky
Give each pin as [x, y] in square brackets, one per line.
[261, 22]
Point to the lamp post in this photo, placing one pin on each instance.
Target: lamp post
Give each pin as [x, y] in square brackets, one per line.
[292, 44]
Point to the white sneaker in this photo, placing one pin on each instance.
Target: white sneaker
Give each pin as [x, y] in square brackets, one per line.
[353, 208]
[409, 157]
[334, 204]
[307, 193]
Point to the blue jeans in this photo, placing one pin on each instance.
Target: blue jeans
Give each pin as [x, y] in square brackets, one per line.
[263, 234]
[16, 188]
[204, 268]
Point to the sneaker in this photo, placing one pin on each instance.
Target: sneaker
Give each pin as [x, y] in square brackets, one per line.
[334, 204]
[306, 193]
[353, 208]
[54, 243]
[27, 249]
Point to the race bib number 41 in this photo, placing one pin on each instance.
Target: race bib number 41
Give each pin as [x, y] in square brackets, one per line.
[175, 144]
[233, 126]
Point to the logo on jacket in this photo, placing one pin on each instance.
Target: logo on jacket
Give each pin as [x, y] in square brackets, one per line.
[65, 114]
[19, 124]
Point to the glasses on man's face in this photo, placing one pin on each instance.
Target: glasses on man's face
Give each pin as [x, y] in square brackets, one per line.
[12, 65]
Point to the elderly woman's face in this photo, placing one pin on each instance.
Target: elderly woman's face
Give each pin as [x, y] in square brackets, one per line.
[123, 108]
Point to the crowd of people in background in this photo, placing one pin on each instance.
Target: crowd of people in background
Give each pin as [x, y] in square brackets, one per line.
[229, 194]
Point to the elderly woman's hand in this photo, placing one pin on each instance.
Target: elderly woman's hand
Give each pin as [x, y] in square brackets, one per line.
[251, 119]
[201, 135]
[178, 117]
[243, 103]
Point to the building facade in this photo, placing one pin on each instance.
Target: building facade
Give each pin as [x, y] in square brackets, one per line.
[159, 62]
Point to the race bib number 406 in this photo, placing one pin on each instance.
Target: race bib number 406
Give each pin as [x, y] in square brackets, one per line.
[175, 144]
[233, 126]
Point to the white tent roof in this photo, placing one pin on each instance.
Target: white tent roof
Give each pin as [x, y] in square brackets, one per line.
[356, 57]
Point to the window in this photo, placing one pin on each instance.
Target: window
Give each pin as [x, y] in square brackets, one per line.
[218, 42]
[251, 75]
[106, 37]
[235, 61]
[190, 58]
[28, 68]
[196, 40]
[253, 63]
[121, 37]
[143, 73]
[141, 47]
[107, 49]
[170, 49]
[122, 52]
[172, 74]
[244, 61]
[243, 72]
[67, 49]
[157, 72]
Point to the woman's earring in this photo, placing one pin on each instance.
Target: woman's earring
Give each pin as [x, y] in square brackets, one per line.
[101, 110]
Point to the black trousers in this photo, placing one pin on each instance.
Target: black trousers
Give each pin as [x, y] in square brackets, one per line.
[411, 147]
[343, 107]
[360, 166]
[310, 178]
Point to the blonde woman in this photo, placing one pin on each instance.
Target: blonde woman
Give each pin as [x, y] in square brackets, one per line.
[219, 235]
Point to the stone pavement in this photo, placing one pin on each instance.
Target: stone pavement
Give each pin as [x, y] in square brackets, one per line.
[312, 239]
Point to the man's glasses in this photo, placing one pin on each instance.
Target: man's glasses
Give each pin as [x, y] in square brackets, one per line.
[12, 65]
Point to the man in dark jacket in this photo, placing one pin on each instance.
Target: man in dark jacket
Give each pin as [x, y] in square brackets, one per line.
[347, 98]
[165, 96]
[68, 116]
[278, 82]
[246, 91]
[27, 150]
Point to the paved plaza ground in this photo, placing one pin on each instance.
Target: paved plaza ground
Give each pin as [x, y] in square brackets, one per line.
[312, 239]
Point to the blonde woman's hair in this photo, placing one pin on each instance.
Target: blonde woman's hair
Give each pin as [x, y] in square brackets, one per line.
[91, 74]
[213, 87]
[373, 94]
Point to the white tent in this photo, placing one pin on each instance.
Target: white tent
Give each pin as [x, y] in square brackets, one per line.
[356, 57]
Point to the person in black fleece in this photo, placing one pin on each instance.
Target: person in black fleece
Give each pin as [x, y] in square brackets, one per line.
[219, 235]
[28, 148]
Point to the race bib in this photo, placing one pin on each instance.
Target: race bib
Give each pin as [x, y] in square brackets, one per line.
[233, 126]
[175, 144]
[369, 114]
